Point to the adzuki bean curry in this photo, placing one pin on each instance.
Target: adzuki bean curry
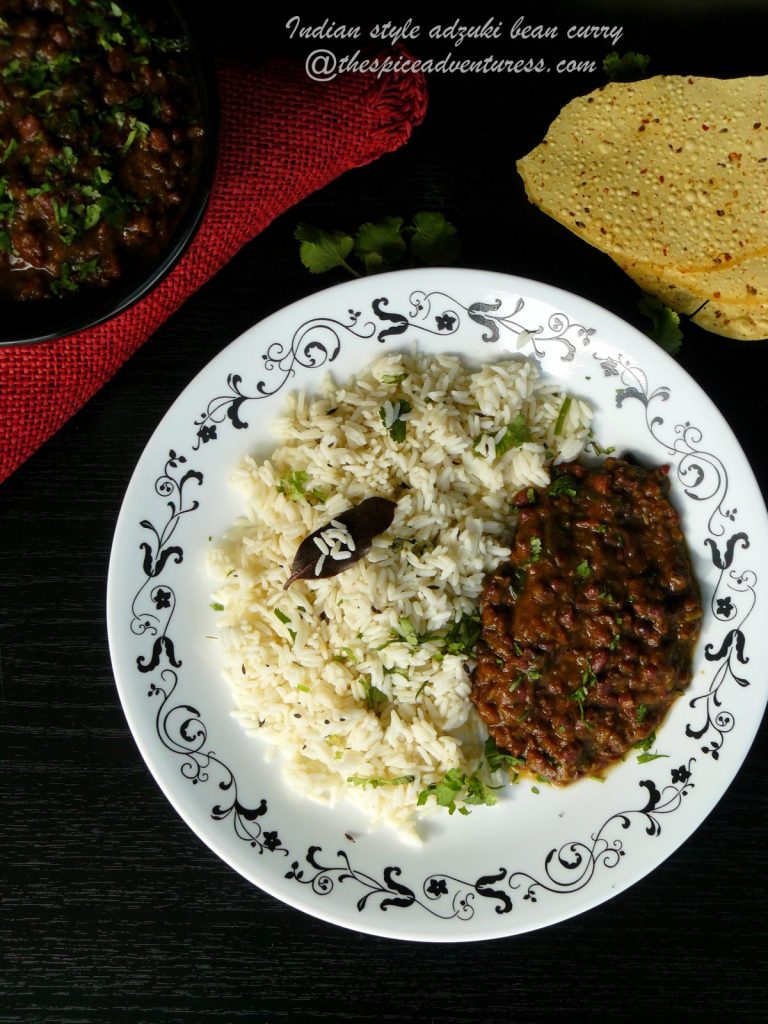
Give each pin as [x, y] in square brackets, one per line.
[588, 629]
[100, 138]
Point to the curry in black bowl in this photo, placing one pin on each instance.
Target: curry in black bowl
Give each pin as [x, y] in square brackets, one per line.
[106, 156]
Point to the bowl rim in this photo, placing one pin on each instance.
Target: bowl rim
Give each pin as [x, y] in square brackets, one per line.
[107, 305]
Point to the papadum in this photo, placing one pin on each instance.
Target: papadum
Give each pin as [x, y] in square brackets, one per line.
[669, 177]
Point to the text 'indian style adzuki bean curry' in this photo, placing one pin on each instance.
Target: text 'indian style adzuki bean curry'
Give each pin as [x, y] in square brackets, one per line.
[588, 629]
[100, 138]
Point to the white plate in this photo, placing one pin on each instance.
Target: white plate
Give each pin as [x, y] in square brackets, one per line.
[534, 858]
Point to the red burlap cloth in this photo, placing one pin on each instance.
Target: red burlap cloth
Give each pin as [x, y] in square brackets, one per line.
[282, 137]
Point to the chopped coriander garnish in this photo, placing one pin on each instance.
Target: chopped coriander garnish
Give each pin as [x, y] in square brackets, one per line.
[517, 433]
[293, 487]
[498, 759]
[374, 782]
[373, 695]
[561, 416]
[408, 631]
[450, 788]
[445, 791]
[393, 378]
[217, 607]
[285, 619]
[598, 449]
[584, 570]
[478, 792]
[564, 484]
[647, 743]
[588, 681]
[641, 712]
[460, 638]
[302, 687]
[535, 549]
[346, 654]
[393, 415]
[463, 635]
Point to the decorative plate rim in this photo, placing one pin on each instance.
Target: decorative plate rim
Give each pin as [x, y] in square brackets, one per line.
[179, 727]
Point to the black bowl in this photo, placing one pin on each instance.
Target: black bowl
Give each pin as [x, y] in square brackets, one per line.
[56, 317]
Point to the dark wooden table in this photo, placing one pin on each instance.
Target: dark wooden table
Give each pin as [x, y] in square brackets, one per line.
[112, 909]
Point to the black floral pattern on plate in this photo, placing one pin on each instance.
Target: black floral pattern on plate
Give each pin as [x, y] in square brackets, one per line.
[317, 342]
[180, 726]
[704, 479]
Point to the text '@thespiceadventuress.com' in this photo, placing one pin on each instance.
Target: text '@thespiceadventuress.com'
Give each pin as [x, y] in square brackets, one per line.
[325, 63]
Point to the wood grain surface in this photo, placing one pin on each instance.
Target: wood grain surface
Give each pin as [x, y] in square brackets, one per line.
[112, 910]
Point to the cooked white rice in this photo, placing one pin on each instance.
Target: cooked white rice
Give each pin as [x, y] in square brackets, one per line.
[302, 662]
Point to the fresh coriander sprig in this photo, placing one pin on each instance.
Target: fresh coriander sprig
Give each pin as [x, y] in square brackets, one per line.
[629, 67]
[665, 324]
[429, 239]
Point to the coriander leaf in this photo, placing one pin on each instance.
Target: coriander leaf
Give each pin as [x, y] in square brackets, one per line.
[498, 759]
[322, 250]
[478, 792]
[665, 324]
[373, 695]
[535, 549]
[434, 240]
[584, 570]
[561, 416]
[463, 635]
[647, 743]
[393, 415]
[627, 68]
[408, 631]
[517, 433]
[598, 448]
[292, 485]
[564, 484]
[645, 758]
[374, 782]
[641, 712]
[217, 606]
[445, 791]
[285, 619]
[393, 378]
[92, 216]
[380, 245]
[588, 677]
